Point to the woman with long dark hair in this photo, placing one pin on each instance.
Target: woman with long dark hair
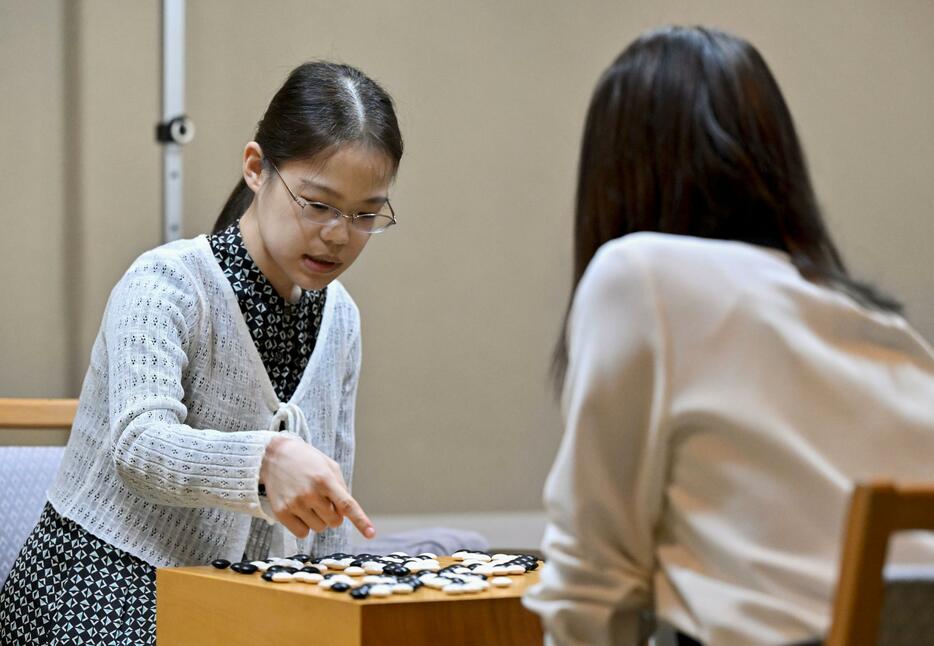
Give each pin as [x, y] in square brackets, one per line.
[217, 415]
[725, 379]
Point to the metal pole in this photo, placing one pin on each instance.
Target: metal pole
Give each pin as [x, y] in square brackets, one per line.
[175, 129]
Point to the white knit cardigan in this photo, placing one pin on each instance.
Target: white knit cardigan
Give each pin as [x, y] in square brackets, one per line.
[176, 411]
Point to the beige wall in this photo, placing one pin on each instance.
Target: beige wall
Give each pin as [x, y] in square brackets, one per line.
[461, 302]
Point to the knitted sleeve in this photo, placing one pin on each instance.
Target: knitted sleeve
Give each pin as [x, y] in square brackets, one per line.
[150, 326]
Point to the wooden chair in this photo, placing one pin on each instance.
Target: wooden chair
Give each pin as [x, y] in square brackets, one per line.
[37, 413]
[877, 510]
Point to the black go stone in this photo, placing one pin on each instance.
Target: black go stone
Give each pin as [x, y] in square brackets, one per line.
[282, 568]
[340, 586]
[357, 563]
[358, 593]
[243, 568]
[413, 581]
[220, 564]
[311, 569]
[267, 575]
[300, 557]
[395, 569]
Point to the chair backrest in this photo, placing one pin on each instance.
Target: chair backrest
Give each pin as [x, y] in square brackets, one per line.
[37, 413]
[877, 510]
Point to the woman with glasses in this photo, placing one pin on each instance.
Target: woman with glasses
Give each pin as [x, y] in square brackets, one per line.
[217, 416]
[725, 379]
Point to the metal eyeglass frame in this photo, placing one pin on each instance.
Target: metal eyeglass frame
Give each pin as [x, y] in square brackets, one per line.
[354, 218]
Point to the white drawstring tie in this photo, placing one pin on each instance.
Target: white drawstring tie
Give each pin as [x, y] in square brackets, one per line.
[290, 418]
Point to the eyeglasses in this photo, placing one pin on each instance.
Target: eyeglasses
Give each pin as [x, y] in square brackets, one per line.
[321, 213]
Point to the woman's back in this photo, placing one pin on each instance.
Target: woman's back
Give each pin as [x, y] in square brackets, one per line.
[731, 405]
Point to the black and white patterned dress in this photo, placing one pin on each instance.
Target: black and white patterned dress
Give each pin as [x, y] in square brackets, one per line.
[69, 587]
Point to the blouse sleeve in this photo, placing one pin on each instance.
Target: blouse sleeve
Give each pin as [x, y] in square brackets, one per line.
[149, 327]
[604, 493]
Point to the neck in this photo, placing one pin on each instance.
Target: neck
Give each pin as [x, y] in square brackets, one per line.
[253, 241]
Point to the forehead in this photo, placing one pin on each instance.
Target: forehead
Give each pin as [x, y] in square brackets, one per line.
[351, 171]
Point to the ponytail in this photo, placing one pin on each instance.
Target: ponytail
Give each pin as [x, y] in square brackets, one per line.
[237, 204]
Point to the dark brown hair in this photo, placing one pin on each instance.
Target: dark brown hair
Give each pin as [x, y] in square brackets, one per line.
[320, 106]
[688, 133]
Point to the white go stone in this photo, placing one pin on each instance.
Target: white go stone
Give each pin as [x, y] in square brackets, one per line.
[460, 556]
[372, 578]
[338, 564]
[402, 588]
[381, 590]
[516, 569]
[429, 555]
[429, 565]
[262, 566]
[372, 567]
[438, 583]
[500, 570]
[353, 570]
[454, 588]
[282, 577]
[501, 581]
[474, 586]
[398, 554]
[326, 583]
[307, 577]
[484, 569]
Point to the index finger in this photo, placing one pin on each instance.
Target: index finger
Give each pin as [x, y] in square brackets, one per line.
[346, 506]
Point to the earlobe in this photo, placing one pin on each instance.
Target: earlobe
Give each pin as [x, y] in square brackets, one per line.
[253, 166]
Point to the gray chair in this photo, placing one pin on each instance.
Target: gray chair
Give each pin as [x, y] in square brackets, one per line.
[907, 617]
[25, 475]
[27, 471]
